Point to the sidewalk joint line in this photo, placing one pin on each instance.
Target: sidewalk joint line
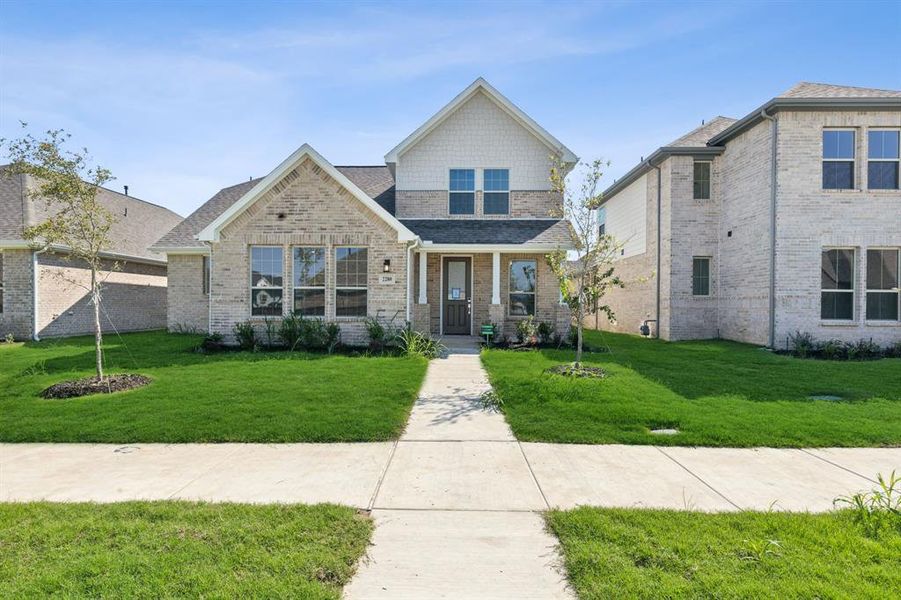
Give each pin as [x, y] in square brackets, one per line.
[532, 473]
[384, 473]
[827, 461]
[469, 510]
[690, 472]
[227, 456]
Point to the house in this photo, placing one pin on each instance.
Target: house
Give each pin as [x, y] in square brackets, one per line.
[450, 233]
[786, 220]
[42, 292]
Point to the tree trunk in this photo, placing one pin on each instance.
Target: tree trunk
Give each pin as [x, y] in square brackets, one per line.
[98, 336]
[579, 337]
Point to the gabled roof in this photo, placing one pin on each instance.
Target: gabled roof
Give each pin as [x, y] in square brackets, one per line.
[805, 89]
[482, 86]
[698, 136]
[211, 231]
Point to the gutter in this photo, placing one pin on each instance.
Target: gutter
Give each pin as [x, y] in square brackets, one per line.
[657, 157]
[772, 300]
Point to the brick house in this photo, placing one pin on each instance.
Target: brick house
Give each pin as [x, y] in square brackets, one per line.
[786, 220]
[449, 234]
[42, 293]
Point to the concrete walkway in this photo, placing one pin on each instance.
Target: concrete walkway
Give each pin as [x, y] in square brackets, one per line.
[457, 499]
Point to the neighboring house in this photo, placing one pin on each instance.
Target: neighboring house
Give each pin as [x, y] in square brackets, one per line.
[451, 233]
[786, 220]
[42, 293]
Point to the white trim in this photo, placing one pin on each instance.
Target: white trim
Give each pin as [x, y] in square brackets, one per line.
[480, 85]
[472, 284]
[505, 248]
[495, 278]
[211, 232]
[25, 245]
[181, 250]
[423, 277]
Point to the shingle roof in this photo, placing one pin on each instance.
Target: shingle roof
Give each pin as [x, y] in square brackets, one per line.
[138, 223]
[806, 89]
[491, 231]
[698, 137]
[377, 182]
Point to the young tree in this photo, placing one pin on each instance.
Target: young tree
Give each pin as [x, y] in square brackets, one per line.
[78, 224]
[584, 282]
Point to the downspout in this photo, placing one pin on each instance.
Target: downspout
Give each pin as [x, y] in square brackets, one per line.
[774, 136]
[34, 294]
[659, 237]
[209, 284]
[409, 281]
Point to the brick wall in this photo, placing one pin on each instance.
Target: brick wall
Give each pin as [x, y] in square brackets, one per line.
[315, 211]
[18, 302]
[433, 204]
[189, 307]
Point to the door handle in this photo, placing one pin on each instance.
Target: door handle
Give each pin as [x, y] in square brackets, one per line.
[469, 306]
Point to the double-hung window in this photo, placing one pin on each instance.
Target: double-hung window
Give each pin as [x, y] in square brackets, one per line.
[266, 281]
[837, 284]
[309, 282]
[602, 221]
[882, 159]
[496, 186]
[883, 295]
[838, 159]
[702, 180]
[205, 286]
[522, 287]
[700, 276]
[462, 192]
[351, 281]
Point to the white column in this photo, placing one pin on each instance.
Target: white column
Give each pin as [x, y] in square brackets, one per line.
[423, 259]
[496, 278]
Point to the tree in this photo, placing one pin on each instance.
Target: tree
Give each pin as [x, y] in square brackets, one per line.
[584, 282]
[78, 224]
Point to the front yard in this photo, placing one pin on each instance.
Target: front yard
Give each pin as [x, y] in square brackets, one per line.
[715, 393]
[178, 550]
[225, 397]
[619, 553]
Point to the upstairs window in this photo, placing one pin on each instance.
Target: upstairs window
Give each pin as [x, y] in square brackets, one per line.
[266, 281]
[206, 276]
[602, 221]
[837, 285]
[309, 282]
[351, 281]
[883, 295]
[497, 191]
[882, 155]
[838, 159]
[700, 276]
[462, 193]
[522, 287]
[702, 180]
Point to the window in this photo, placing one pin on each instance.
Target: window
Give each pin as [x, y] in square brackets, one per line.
[882, 166]
[522, 288]
[700, 276]
[205, 285]
[837, 296]
[266, 281]
[309, 282]
[602, 221]
[351, 280]
[462, 191]
[838, 159]
[496, 187]
[883, 296]
[702, 180]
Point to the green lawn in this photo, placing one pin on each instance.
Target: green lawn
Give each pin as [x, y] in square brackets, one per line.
[226, 397]
[178, 549]
[619, 553]
[716, 393]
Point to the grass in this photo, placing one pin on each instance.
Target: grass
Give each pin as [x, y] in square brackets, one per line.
[716, 393]
[178, 549]
[624, 553]
[226, 397]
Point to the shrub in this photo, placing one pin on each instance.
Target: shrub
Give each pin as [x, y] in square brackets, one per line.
[832, 349]
[246, 336]
[214, 342]
[9, 338]
[414, 343]
[332, 336]
[801, 345]
[271, 331]
[545, 332]
[527, 331]
[289, 331]
[378, 336]
[867, 350]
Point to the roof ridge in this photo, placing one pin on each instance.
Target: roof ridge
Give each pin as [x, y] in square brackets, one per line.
[853, 87]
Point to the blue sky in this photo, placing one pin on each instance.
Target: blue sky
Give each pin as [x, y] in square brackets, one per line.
[182, 98]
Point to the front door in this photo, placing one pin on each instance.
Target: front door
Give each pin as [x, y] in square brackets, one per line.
[457, 295]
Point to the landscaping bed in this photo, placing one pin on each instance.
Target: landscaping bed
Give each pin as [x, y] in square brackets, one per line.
[178, 549]
[623, 553]
[715, 393]
[196, 397]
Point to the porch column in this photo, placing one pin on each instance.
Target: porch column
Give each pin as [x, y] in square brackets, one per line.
[423, 260]
[496, 278]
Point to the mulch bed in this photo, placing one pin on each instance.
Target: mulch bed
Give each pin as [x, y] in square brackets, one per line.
[573, 371]
[89, 385]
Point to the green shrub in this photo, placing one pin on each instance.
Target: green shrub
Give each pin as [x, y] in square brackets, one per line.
[289, 331]
[801, 345]
[246, 336]
[271, 331]
[867, 350]
[527, 331]
[213, 342]
[832, 349]
[545, 332]
[414, 343]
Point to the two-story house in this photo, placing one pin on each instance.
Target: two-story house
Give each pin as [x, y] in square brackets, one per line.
[786, 220]
[450, 233]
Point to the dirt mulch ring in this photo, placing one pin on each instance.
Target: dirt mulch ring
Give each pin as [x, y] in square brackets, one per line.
[89, 385]
[573, 371]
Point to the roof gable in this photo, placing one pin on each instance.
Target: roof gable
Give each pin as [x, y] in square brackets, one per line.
[482, 86]
[212, 230]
